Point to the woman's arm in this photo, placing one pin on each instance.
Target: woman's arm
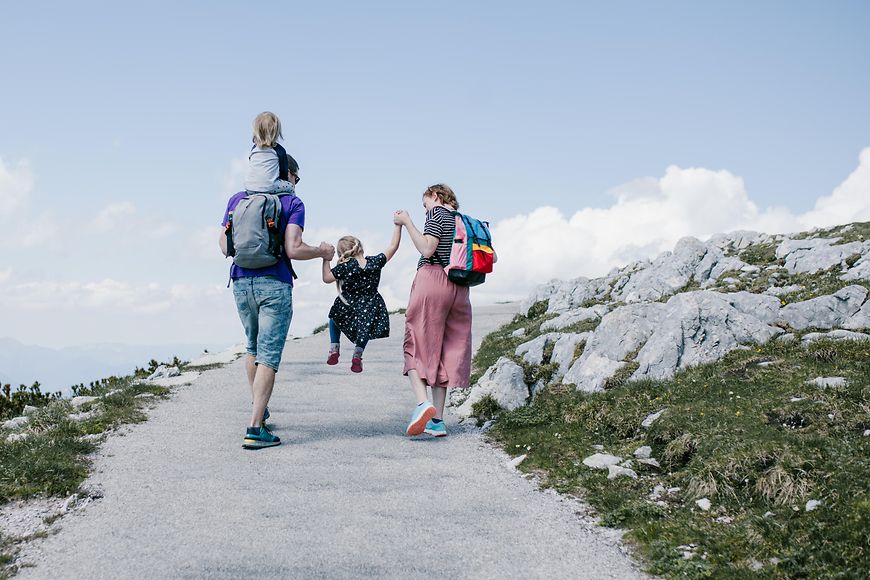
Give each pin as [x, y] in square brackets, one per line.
[328, 278]
[425, 244]
[394, 243]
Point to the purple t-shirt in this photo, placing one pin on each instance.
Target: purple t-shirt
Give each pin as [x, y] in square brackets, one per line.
[292, 212]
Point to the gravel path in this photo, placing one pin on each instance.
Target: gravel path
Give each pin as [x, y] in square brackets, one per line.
[346, 496]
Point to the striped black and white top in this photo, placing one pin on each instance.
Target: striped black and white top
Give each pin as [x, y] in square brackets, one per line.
[441, 224]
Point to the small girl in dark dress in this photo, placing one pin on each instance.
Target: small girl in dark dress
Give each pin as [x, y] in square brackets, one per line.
[359, 311]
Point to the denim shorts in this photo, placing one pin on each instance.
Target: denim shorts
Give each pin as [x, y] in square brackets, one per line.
[265, 306]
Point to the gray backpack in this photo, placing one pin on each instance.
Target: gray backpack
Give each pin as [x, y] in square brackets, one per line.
[254, 239]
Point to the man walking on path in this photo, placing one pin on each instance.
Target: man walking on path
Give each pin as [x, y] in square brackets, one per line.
[264, 300]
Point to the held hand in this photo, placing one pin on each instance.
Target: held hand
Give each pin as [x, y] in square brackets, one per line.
[401, 217]
[327, 251]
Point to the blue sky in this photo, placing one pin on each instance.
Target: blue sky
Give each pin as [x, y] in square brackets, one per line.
[146, 109]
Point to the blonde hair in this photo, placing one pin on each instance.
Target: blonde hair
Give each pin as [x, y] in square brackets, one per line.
[444, 194]
[267, 129]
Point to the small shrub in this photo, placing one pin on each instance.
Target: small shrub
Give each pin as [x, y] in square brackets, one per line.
[485, 409]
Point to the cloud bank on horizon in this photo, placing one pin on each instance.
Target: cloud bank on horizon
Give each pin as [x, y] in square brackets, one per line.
[179, 304]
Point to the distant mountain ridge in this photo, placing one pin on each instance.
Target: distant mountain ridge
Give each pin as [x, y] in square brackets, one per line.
[58, 369]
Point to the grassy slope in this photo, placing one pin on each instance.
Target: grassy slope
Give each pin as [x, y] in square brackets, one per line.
[731, 433]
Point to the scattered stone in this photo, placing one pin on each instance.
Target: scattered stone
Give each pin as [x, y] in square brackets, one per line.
[724, 520]
[29, 409]
[812, 504]
[755, 565]
[78, 402]
[504, 381]
[643, 452]
[519, 332]
[767, 363]
[657, 491]
[651, 418]
[628, 463]
[825, 382]
[601, 460]
[83, 416]
[515, 462]
[703, 503]
[13, 437]
[673, 490]
[16, 423]
[750, 269]
[614, 471]
[598, 447]
[796, 399]
[787, 337]
[164, 372]
[650, 461]
[783, 290]
[768, 515]
[145, 396]
[834, 335]
[866, 432]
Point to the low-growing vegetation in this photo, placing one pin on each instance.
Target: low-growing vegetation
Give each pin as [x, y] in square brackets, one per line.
[49, 456]
[748, 433]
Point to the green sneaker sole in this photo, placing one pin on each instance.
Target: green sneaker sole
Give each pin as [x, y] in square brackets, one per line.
[257, 444]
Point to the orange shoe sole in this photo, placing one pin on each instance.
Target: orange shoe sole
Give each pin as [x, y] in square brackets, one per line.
[417, 427]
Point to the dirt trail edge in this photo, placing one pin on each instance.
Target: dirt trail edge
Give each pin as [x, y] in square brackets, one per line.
[347, 495]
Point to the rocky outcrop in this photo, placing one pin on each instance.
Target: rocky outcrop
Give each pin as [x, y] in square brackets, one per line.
[504, 381]
[817, 254]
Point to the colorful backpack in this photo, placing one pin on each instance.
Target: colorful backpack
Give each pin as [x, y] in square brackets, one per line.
[472, 255]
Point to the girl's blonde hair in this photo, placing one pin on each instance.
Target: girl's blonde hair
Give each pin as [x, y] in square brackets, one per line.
[267, 129]
[348, 247]
[444, 194]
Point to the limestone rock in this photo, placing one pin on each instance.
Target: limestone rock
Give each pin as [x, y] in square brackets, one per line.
[814, 255]
[643, 452]
[504, 381]
[533, 350]
[825, 382]
[575, 316]
[833, 335]
[78, 402]
[563, 351]
[830, 311]
[783, 290]
[16, 422]
[614, 471]
[702, 327]
[650, 461]
[651, 418]
[665, 275]
[519, 332]
[812, 504]
[602, 460]
[861, 269]
[164, 372]
[704, 504]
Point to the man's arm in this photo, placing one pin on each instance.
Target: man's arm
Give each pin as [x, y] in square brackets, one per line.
[222, 241]
[296, 249]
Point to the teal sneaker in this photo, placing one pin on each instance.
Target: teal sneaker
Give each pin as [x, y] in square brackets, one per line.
[259, 437]
[422, 413]
[435, 429]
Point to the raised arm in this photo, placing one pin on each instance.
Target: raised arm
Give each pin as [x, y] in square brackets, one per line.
[296, 249]
[425, 244]
[394, 243]
[328, 278]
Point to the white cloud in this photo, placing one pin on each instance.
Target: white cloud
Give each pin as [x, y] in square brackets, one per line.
[115, 216]
[648, 217]
[16, 183]
[849, 202]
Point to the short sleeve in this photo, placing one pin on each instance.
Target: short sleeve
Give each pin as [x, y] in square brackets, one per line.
[296, 212]
[341, 271]
[377, 262]
[433, 226]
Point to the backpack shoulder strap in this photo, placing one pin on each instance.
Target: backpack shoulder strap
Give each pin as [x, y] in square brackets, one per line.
[283, 164]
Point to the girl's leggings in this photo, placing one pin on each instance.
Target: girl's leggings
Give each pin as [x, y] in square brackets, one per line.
[335, 335]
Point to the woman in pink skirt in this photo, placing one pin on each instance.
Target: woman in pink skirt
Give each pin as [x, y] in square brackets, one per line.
[438, 320]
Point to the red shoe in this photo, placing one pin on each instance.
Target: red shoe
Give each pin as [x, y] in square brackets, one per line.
[333, 358]
[356, 364]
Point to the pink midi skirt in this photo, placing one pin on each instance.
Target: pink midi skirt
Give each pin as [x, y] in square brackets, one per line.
[438, 329]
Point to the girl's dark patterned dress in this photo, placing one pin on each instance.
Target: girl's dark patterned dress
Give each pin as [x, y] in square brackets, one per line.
[365, 315]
